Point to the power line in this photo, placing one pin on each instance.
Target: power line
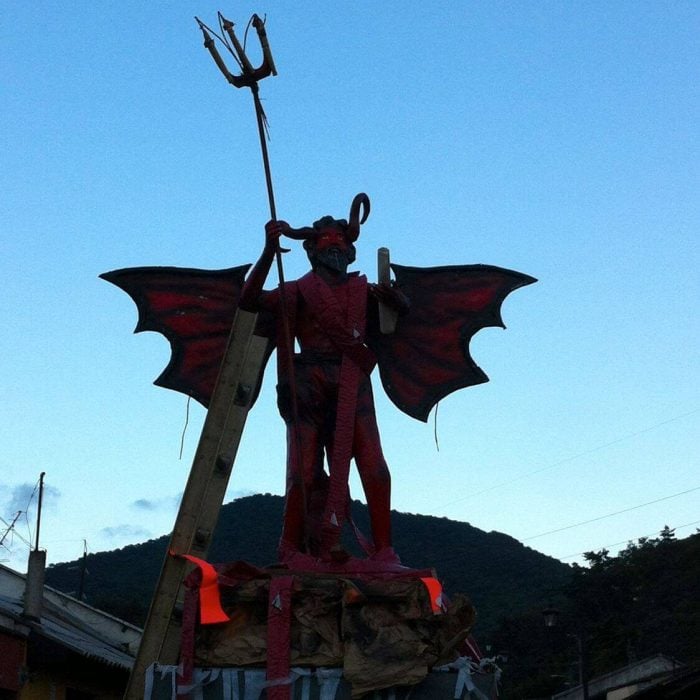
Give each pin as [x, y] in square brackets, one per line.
[609, 515]
[617, 544]
[566, 460]
[463, 553]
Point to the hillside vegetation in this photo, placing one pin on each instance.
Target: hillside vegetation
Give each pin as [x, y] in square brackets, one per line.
[643, 602]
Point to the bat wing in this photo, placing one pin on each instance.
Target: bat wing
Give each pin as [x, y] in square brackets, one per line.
[427, 357]
[194, 309]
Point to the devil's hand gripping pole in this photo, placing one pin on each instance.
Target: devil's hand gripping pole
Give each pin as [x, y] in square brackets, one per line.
[221, 433]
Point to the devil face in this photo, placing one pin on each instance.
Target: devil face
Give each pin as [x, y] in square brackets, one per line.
[331, 238]
[331, 249]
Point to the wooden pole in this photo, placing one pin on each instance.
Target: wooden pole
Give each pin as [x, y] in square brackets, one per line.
[387, 315]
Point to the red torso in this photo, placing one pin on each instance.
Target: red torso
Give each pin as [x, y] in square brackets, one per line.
[309, 334]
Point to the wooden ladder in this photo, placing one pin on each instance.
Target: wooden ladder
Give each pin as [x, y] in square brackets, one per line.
[203, 496]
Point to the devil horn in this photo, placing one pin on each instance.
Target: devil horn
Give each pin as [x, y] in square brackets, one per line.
[360, 200]
[299, 234]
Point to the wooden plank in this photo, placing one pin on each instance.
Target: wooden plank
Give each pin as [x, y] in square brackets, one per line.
[203, 495]
[387, 316]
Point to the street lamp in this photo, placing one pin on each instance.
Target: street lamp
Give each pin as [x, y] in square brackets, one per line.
[551, 619]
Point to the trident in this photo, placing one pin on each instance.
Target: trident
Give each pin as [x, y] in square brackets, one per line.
[250, 77]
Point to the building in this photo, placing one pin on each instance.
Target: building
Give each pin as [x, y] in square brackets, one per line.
[54, 647]
[628, 681]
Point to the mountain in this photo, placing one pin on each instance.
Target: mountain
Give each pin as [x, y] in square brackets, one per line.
[501, 576]
[642, 602]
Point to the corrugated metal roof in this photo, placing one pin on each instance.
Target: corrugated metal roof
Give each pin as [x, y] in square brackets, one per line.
[61, 626]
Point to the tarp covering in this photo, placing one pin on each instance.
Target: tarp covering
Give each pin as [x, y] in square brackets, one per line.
[382, 631]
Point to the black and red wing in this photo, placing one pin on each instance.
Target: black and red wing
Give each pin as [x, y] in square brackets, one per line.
[194, 309]
[427, 357]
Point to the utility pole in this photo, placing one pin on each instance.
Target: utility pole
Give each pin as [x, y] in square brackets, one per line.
[83, 572]
[38, 514]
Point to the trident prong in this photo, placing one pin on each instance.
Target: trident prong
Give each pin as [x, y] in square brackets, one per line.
[249, 76]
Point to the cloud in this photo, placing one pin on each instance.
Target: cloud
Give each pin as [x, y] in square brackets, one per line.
[25, 497]
[167, 503]
[144, 504]
[125, 531]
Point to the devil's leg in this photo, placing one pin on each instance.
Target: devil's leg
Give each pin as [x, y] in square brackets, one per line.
[304, 459]
[372, 468]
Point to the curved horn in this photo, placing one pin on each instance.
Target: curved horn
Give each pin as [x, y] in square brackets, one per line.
[299, 234]
[360, 200]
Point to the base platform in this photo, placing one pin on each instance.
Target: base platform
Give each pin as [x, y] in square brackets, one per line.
[385, 627]
[469, 683]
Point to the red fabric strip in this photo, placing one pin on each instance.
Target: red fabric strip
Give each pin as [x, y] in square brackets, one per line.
[435, 592]
[210, 610]
[347, 334]
[279, 617]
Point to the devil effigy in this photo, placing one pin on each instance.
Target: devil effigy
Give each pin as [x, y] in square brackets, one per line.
[317, 610]
[328, 332]
[324, 390]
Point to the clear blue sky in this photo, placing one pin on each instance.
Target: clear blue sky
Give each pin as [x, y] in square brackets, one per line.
[558, 139]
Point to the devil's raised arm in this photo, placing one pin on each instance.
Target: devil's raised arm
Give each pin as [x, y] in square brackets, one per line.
[253, 297]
